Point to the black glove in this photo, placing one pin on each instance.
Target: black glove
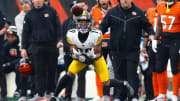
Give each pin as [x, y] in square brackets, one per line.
[85, 59]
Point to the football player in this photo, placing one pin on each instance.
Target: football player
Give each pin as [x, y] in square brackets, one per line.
[168, 47]
[152, 16]
[86, 49]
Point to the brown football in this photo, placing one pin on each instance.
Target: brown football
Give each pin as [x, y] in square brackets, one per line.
[77, 10]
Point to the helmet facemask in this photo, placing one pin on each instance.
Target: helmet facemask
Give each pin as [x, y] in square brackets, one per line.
[84, 22]
[84, 26]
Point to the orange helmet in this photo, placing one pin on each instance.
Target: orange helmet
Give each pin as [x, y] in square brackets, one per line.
[25, 67]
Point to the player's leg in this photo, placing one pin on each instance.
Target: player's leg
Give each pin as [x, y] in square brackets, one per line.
[101, 69]
[152, 62]
[81, 89]
[74, 68]
[174, 59]
[162, 57]
[68, 92]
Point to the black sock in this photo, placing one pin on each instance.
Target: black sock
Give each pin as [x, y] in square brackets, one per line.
[116, 83]
[62, 84]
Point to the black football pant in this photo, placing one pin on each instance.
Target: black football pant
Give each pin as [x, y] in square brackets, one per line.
[125, 69]
[44, 67]
[168, 50]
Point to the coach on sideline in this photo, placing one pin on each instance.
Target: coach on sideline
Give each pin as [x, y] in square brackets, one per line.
[126, 22]
[42, 30]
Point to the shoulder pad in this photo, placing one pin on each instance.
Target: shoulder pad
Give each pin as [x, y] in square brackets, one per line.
[96, 31]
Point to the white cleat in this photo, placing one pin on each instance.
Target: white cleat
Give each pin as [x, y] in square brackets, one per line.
[174, 98]
[37, 98]
[161, 97]
[97, 98]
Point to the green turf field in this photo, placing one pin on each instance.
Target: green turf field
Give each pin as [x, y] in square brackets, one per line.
[87, 99]
[16, 99]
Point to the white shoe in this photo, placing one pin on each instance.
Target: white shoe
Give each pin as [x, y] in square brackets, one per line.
[23, 98]
[37, 97]
[106, 98]
[160, 97]
[79, 99]
[174, 98]
[134, 99]
[116, 99]
[97, 98]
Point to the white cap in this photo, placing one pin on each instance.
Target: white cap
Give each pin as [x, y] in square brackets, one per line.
[28, 1]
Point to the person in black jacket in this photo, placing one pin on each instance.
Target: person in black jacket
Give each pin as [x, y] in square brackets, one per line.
[10, 61]
[42, 31]
[2, 77]
[126, 22]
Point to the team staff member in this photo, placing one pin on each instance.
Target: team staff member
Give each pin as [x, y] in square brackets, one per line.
[126, 22]
[98, 12]
[169, 45]
[42, 30]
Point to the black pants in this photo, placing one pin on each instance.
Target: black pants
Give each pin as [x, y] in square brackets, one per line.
[148, 74]
[81, 80]
[44, 67]
[168, 50]
[125, 69]
[3, 85]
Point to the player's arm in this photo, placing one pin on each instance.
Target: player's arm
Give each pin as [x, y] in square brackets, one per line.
[72, 48]
[97, 51]
[159, 29]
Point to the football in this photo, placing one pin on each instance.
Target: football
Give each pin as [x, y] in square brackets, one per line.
[77, 10]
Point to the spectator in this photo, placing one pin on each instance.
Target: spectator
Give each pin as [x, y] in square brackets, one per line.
[11, 56]
[126, 22]
[19, 20]
[42, 30]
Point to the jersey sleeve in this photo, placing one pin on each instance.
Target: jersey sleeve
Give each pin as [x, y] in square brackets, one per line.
[68, 38]
[100, 37]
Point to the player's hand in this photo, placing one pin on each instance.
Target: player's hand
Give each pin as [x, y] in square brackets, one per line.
[151, 37]
[91, 54]
[60, 44]
[154, 46]
[24, 53]
[76, 53]
[2, 31]
[143, 51]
